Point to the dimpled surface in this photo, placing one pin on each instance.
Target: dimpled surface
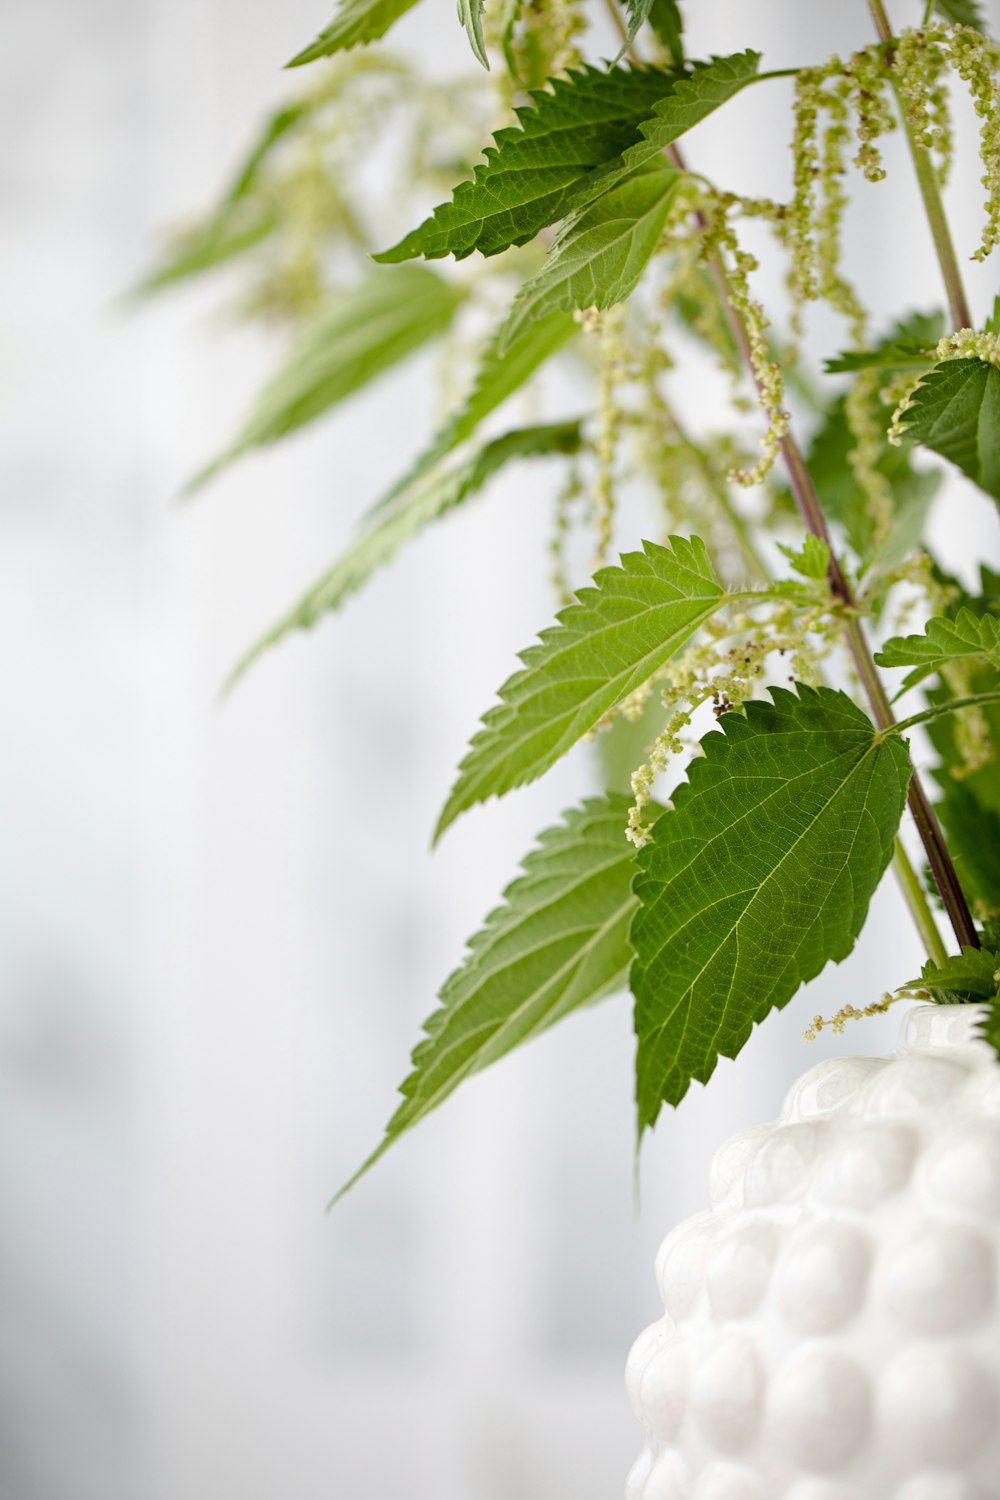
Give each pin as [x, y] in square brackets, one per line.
[832, 1327]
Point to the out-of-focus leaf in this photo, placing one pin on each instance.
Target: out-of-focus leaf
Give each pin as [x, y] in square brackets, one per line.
[357, 22]
[357, 336]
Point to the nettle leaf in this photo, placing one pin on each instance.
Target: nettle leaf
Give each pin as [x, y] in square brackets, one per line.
[761, 875]
[908, 345]
[356, 23]
[354, 338]
[608, 642]
[665, 19]
[470, 14]
[970, 975]
[694, 97]
[224, 236]
[955, 411]
[501, 372]
[532, 169]
[898, 354]
[943, 640]
[600, 253]
[989, 1026]
[559, 942]
[388, 528]
[811, 560]
[961, 13]
[638, 15]
[971, 825]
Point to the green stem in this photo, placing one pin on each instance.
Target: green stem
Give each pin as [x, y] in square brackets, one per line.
[937, 709]
[913, 892]
[930, 191]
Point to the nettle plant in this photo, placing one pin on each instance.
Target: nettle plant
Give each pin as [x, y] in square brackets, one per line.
[783, 572]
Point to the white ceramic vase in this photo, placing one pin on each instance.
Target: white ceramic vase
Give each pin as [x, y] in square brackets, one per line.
[832, 1322]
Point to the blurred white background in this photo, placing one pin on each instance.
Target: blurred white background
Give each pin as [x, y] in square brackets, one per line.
[220, 926]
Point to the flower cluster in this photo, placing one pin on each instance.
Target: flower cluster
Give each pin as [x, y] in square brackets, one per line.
[838, 1023]
[976, 60]
[965, 344]
[720, 240]
[726, 675]
[540, 39]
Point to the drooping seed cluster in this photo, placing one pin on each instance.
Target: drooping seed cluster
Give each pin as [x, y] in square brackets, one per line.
[566, 497]
[825, 98]
[920, 67]
[976, 60]
[738, 264]
[838, 1023]
[610, 419]
[864, 455]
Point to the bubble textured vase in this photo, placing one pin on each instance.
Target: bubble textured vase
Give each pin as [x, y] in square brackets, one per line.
[831, 1326]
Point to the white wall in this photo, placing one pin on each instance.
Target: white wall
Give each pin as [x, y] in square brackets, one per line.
[221, 925]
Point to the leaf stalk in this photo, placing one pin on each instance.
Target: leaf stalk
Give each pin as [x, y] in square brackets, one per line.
[938, 709]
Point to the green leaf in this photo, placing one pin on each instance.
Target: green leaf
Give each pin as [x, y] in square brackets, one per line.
[275, 127]
[813, 558]
[532, 169]
[390, 526]
[608, 642]
[961, 13]
[499, 375]
[693, 98]
[356, 22]
[665, 19]
[955, 411]
[470, 14]
[972, 829]
[559, 942]
[359, 334]
[761, 875]
[992, 324]
[943, 640]
[600, 253]
[638, 15]
[224, 236]
[971, 975]
[900, 354]
[989, 1025]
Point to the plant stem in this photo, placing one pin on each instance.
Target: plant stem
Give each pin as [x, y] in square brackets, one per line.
[937, 709]
[916, 900]
[814, 520]
[930, 192]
